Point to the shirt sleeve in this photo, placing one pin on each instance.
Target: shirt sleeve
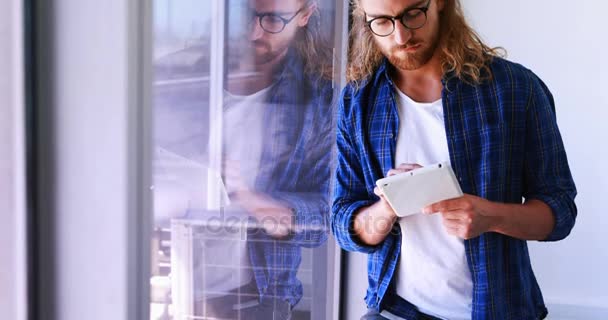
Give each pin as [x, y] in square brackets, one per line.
[350, 192]
[310, 204]
[546, 172]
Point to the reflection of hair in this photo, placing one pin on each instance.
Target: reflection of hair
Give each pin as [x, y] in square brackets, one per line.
[312, 44]
[462, 51]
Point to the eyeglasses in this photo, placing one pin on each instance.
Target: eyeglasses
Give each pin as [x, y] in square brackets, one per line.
[413, 18]
[272, 22]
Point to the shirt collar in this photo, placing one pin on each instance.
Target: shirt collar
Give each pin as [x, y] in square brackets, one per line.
[449, 79]
[383, 72]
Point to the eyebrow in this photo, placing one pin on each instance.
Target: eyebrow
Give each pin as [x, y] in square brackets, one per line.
[416, 5]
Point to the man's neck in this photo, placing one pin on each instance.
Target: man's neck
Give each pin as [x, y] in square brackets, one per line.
[262, 76]
[423, 84]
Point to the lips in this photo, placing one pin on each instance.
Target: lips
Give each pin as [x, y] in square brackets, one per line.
[408, 48]
[260, 45]
[412, 47]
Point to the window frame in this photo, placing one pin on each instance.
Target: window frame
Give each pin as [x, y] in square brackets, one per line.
[13, 230]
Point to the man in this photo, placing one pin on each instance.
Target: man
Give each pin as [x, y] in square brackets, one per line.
[277, 126]
[424, 89]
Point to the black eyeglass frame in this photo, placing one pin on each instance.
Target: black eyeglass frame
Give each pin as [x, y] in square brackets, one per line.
[286, 21]
[424, 9]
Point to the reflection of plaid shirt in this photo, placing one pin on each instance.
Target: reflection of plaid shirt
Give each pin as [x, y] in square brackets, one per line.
[295, 169]
[504, 144]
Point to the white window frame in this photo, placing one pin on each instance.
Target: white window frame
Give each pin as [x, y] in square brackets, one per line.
[13, 243]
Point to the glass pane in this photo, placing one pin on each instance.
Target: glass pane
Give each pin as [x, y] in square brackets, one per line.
[243, 156]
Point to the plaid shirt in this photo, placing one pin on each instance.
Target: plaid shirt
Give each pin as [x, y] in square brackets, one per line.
[295, 169]
[504, 144]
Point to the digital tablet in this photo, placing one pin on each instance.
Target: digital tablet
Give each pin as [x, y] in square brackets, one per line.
[179, 180]
[409, 192]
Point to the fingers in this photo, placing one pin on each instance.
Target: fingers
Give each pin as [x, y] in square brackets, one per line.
[404, 167]
[231, 166]
[231, 163]
[452, 224]
[461, 224]
[460, 216]
[461, 203]
[233, 176]
[452, 227]
[409, 166]
[378, 192]
[393, 172]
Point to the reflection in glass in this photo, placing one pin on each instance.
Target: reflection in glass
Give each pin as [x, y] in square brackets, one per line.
[241, 187]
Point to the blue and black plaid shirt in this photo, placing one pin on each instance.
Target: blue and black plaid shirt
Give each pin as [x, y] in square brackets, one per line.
[295, 169]
[504, 144]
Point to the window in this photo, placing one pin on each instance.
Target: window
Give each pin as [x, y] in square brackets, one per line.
[243, 138]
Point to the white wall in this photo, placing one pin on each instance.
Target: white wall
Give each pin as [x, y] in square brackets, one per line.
[12, 175]
[565, 43]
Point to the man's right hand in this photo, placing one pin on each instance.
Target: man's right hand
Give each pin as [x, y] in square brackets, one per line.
[382, 204]
[373, 223]
[402, 168]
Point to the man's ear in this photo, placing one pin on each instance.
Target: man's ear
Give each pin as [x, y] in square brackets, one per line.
[307, 13]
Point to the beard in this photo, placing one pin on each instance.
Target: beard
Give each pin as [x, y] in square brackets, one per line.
[262, 52]
[403, 60]
[251, 55]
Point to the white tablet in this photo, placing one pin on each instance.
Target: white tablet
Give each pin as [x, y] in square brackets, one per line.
[187, 182]
[409, 192]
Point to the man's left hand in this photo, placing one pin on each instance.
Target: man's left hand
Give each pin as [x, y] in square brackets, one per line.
[465, 217]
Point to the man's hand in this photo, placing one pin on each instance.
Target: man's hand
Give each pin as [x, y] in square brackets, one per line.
[383, 204]
[274, 217]
[465, 217]
[233, 177]
[402, 168]
[372, 224]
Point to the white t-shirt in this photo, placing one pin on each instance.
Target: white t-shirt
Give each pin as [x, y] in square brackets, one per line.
[432, 273]
[243, 129]
[226, 265]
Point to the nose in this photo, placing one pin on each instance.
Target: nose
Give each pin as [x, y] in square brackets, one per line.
[256, 30]
[401, 34]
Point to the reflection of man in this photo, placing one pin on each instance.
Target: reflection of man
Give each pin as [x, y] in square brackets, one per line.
[277, 149]
[425, 89]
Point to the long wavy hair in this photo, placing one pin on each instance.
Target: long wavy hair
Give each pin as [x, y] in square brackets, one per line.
[463, 53]
[312, 43]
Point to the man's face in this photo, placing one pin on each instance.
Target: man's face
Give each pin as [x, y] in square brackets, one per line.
[268, 46]
[406, 49]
